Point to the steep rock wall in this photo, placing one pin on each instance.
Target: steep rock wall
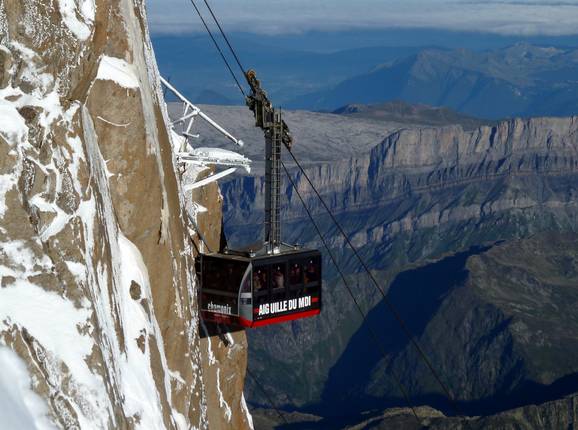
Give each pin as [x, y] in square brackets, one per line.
[417, 165]
[97, 299]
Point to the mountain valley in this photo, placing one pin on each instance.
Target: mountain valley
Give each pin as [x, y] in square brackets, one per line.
[475, 210]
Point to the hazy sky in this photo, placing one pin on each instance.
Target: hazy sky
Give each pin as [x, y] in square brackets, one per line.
[525, 17]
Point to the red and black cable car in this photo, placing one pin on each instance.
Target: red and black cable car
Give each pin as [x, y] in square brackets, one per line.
[256, 290]
[278, 282]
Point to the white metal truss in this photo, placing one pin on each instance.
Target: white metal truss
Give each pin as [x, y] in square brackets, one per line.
[188, 154]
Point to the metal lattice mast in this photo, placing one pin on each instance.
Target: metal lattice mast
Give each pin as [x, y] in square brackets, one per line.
[273, 142]
[276, 134]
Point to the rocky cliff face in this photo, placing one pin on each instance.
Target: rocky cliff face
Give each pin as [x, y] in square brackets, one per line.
[98, 315]
[419, 194]
[412, 169]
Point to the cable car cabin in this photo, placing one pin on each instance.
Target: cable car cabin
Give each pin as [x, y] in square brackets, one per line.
[254, 291]
[279, 282]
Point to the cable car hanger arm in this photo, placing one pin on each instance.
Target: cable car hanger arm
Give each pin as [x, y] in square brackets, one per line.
[263, 110]
[199, 112]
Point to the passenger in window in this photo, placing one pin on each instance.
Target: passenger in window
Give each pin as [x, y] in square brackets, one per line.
[295, 274]
[311, 272]
[259, 280]
[278, 278]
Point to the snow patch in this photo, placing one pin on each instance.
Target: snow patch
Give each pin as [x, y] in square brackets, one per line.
[245, 410]
[7, 182]
[88, 9]
[119, 71]
[44, 96]
[230, 339]
[12, 125]
[198, 209]
[20, 407]
[222, 403]
[58, 223]
[78, 270]
[78, 16]
[29, 306]
[138, 385]
[219, 154]
[23, 258]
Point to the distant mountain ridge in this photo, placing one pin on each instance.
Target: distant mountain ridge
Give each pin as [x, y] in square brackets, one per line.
[493, 77]
[405, 113]
[522, 80]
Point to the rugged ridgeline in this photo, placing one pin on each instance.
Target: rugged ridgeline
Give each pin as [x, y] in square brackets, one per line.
[559, 414]
[420, 194]
[520, 80]
[98, 317]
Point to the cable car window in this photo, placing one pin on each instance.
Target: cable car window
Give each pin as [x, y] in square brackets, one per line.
[246, 288]
[260, 279]
[246, 292]
[278, 275]
[295, 273]
[312, 269]
[223, 275]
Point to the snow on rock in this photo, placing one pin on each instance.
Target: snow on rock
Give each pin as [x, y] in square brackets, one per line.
[222, 403]
[117, 70]
[20, 407]
[138, 385]
[98, 312]
[12, 125]
[219, 155]
[7, 183]
[245, 409]
[29, 306]
[78, 15]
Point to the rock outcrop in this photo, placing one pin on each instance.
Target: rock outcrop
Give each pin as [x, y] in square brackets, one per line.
[559, 414]
[98, 313]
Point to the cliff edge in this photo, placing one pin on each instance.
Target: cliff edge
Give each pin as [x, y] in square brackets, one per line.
[98, 318]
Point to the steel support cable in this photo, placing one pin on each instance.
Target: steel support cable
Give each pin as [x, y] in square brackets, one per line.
[372, 334]
[267, 396]
[225, 37]
[408, 333]
[392, 308]
[218, 47]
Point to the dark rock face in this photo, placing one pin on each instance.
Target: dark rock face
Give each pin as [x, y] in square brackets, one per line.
[420, 194]
[559, 414]
[497, 324]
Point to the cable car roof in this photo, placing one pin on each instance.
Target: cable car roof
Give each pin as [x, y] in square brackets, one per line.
[249, 255]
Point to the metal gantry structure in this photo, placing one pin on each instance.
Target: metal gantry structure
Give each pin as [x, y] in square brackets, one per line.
[187, 153]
